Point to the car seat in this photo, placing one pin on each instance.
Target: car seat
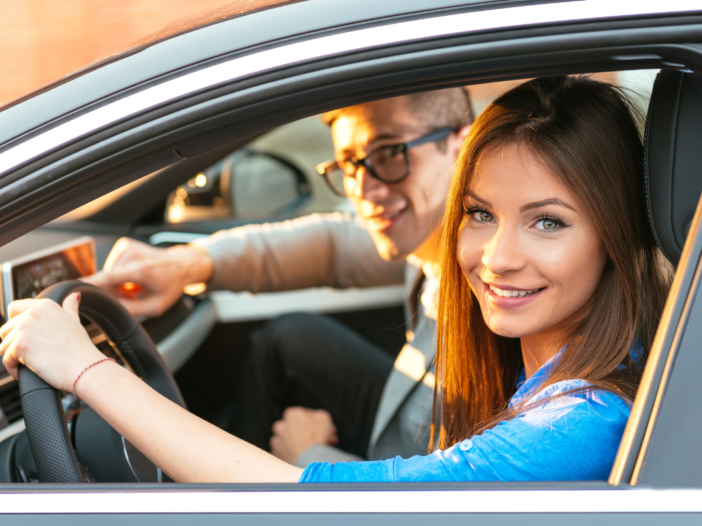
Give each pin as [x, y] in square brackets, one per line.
[660, 445]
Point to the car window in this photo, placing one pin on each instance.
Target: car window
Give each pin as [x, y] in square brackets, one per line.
[276, 173]
[272, 177]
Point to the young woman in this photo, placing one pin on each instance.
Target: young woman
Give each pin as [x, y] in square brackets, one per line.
[552, 286]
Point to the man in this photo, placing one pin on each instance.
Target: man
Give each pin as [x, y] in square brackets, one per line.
[313, 383]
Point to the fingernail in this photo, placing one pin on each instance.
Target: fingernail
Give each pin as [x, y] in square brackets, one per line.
[78, 298]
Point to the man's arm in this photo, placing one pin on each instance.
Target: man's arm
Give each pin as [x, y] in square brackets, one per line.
[319, 250]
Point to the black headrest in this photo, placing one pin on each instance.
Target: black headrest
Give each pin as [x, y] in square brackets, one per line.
[673, 162]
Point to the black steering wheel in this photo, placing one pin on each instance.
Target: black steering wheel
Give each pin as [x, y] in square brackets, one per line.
[102, 451]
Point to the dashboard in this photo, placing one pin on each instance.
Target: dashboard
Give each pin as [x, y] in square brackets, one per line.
[30, 267]
[28, 276]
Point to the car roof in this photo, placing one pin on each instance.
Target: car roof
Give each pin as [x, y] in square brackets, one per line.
[209, 38]
[189, 45]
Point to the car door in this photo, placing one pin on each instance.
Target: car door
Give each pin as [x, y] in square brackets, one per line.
[598, 41]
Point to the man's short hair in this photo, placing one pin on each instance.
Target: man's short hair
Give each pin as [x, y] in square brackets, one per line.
[434, 109]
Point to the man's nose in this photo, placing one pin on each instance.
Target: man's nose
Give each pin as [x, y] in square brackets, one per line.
[368, 187]
[503, 252]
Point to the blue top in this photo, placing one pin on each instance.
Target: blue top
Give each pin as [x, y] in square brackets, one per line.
[574, 437]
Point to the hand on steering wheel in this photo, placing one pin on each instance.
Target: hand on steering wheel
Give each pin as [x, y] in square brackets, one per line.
[30, 338]
[51, 341]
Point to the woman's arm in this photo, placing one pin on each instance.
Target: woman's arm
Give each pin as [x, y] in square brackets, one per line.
[574, 437]
[184, 446]
[50, 340]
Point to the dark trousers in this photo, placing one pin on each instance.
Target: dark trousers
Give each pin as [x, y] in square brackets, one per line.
[315, 362]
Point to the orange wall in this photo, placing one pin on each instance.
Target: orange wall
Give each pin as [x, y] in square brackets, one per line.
[43, 40]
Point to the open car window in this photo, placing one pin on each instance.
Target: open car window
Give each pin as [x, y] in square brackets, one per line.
[199, 203]
[272, 177]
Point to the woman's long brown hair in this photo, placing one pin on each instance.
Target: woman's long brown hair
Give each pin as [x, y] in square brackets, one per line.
[586, 133]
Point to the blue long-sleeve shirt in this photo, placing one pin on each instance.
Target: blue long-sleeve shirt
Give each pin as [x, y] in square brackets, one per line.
[574, 437]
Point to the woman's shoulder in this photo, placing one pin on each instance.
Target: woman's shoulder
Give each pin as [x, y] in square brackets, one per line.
[577, 396]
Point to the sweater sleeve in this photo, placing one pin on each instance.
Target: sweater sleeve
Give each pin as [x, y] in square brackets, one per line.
[573, 437]
[319, 250]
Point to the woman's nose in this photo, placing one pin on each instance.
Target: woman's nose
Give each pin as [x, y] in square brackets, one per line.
[502, 253]
[368, 187]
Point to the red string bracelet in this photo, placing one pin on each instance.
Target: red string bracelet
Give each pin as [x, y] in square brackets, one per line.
[89, 366]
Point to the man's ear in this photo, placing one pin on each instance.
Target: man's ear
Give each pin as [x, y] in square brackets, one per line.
[461, 135]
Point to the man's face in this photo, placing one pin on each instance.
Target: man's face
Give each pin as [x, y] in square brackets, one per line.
[401, 217]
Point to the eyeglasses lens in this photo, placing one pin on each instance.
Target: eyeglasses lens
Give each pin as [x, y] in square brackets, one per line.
[389, 164]
[335, 178]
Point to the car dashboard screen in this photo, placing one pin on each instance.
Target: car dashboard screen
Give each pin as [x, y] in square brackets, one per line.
[29, 279]
[26, 277]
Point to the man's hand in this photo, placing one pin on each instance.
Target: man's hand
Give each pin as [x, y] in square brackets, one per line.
[155, 277]
[299, 429]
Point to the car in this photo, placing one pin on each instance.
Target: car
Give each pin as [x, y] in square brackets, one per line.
[144, 144]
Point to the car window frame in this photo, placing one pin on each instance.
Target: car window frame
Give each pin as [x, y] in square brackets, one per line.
[106, 150]
[190, 496]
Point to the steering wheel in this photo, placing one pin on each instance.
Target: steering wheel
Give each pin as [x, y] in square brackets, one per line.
[103, 451]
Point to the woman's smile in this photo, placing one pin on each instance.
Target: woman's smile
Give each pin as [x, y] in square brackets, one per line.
[508, 297]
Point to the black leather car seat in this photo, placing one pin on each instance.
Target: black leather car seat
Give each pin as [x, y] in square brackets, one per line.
[673, 158]
[673, 172]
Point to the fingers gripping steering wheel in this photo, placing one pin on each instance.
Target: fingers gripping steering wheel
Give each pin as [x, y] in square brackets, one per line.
[45, 420]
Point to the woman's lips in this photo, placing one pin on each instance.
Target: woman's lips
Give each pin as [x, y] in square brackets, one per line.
[520, 297]
[384, 221]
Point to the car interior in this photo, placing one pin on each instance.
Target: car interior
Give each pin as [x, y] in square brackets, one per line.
[272, 177]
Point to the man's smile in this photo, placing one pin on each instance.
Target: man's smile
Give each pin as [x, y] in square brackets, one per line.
[383, 220]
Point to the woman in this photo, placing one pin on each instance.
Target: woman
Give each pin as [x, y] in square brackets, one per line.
[552, 285]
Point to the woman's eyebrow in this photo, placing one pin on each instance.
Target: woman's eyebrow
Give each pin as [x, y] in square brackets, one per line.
[478, 198]
[552, 201]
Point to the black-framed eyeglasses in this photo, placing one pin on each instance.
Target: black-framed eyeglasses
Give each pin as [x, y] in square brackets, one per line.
[389, 164]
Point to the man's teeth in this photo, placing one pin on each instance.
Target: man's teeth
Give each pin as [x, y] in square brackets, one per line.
[386, 216]
[512, 293]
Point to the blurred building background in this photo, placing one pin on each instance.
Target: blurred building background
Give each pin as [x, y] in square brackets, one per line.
[44, 40]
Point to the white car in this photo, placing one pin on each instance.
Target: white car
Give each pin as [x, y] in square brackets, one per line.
[213, 126]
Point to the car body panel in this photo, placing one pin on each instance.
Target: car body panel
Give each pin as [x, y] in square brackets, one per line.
[136, 66]
[672, 433]
[356, 74]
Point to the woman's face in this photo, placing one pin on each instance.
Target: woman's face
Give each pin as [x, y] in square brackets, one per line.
[528, 248]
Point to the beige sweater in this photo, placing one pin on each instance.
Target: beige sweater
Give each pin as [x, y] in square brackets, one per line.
[319, 250]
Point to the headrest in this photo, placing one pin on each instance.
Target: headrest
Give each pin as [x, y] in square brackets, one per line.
[673, 158]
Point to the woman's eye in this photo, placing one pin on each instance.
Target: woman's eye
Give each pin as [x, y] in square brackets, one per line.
[485, 216]
[480, 215]
[549, 224]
